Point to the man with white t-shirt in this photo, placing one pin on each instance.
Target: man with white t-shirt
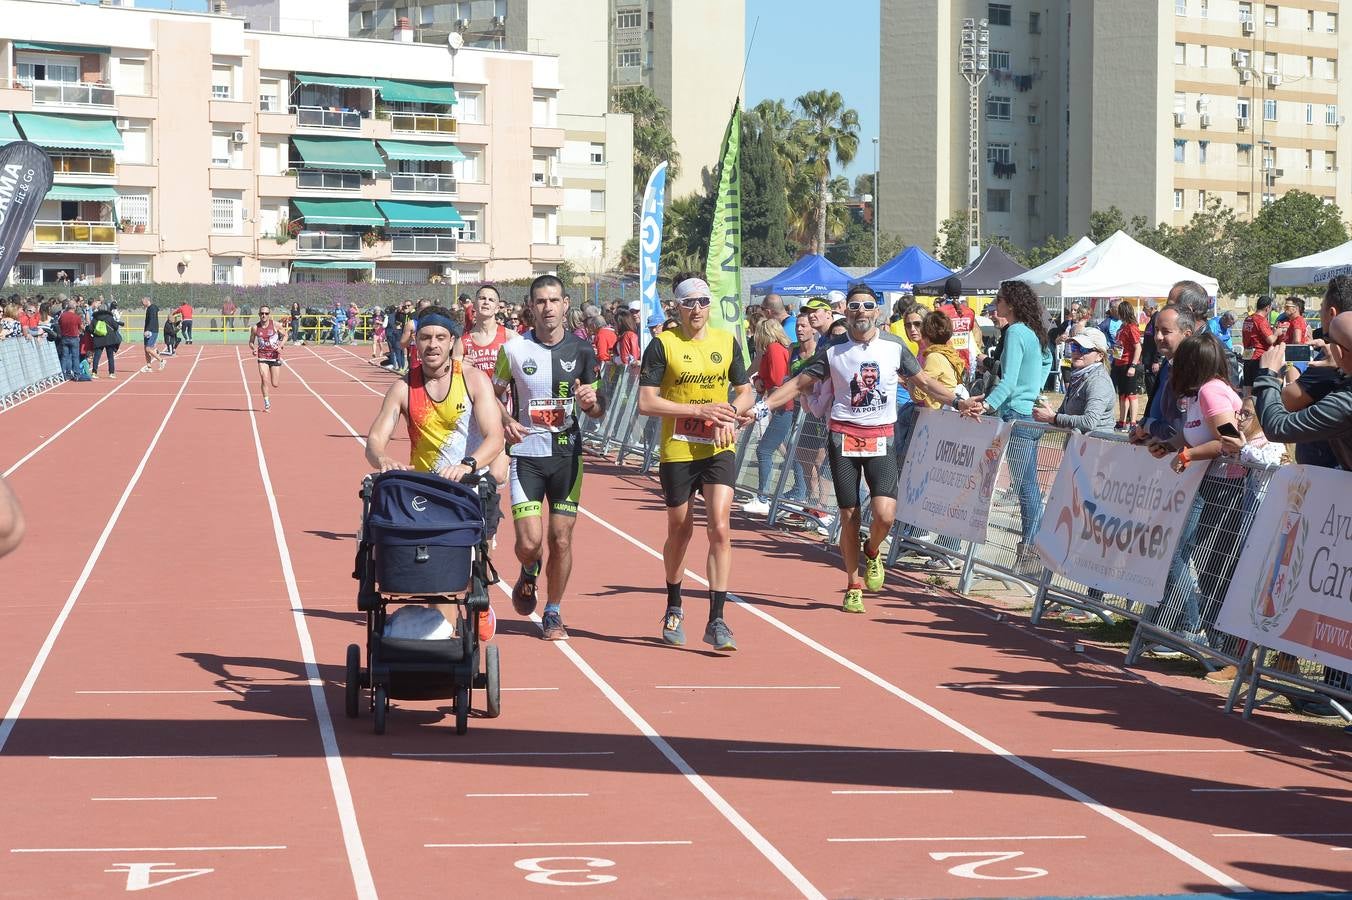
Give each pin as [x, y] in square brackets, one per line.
[864, 372]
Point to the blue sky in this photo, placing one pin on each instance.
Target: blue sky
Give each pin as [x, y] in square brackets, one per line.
[791, 56]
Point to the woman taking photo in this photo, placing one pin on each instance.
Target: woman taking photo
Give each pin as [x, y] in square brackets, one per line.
[1127, 376]
[1021, 371]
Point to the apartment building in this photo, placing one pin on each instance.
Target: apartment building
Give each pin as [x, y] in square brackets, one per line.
[1155, 106]
[189, 147]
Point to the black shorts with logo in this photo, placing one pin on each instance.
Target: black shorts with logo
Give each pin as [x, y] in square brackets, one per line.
[681, 480]
[881, 473]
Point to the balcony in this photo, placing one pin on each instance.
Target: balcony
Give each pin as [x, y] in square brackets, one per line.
[74, 234]
[546, 252]
[317, 180]
[421, 123]
[70, 93]
[422, 244]
[322, 242]
[82, 164]
[429, 183]
[322, 117]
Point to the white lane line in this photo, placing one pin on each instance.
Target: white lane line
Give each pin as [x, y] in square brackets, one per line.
[831, 750]
[528, 689]
[490, 755]
[1315, 834]
[1247, 790]
[1000, 837]
[563, 844]
[68, 426]
[130, 799]
[907, 791]
[26, 688]
[1157, 750]
[216, 691]
[148, 849]
[345, 372]
[1187, 858]
[333, 760]
[996, 686]
[747, 687]
[528, 795]
[177, 756]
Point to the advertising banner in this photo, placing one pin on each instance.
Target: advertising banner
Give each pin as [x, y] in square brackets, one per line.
[1115, 516]
[1292, 588]
[950, 472]
[650, 248]
[723, 267]
[25, 178]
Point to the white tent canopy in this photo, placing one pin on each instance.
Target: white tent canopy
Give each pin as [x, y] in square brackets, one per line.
[1120, 267]
[1051, 269]
[1316, 268]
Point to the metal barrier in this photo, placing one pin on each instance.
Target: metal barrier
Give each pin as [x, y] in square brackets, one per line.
[28, 366]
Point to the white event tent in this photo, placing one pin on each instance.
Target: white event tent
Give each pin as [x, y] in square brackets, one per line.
[1053, 267]
[1119, 267]
[1316, 268]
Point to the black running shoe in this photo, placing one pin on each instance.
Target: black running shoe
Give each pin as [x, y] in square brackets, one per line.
[523, 592]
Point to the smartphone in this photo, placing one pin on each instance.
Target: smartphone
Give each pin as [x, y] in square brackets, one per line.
[1227, 429]
[1297, 353]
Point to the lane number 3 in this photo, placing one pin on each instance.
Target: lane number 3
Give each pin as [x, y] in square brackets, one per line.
[543, 874]
[981, 860]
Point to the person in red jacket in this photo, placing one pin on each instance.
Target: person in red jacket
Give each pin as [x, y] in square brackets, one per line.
[68, 326]
[1258, 336]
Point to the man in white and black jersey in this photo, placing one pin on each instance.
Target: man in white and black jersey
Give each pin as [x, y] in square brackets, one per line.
[551, 375]
[863, 371]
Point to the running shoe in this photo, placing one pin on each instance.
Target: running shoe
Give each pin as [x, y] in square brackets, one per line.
[719, 635]
[673, 631]
[854, 601]
[488, 625]
[93, 376]
[756, 507]
[163, 363]
[875, 573]
[523, 592]
[267, 404]
[146, 368]
[112, 376]
[551, 627]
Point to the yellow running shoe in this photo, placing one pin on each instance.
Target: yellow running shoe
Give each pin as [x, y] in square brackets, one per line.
[854, 601]
[874, 572]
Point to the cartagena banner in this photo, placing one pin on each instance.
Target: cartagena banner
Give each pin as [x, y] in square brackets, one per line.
[723, 268]
[950, 472]
[1115, 516]
[650, 248]
[1292, 588]
[25, 178]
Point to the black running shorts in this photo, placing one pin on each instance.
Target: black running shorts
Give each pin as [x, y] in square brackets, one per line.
[680, 480]
[880, 472]
[557, 479]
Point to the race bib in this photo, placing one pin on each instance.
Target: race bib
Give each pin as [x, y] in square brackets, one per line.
[550, 413]
[693, 430]
[852, 445]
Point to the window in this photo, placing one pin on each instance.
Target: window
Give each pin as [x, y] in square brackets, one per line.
[997, 201]
[1245, 11]
[224, 215]
[1032, 205]
[1035, 23]
[271, 158]
[1180, 7]
[1270, 110]
[1243, 154]
[1269, 158]
[999, 108]
[271, 275]
[133, 273]
[628, 57]
[220, 148]
[135, 207]
[1178, 199]
[269, 95]
[542, 111]
[1309, 113]
[629, 18]
[1309, 67]
[368, 19]
[1000, 13]
[1202, 147]
[129, 77]
[1180, 54]
[1309, 159]
[1330, 114]
[999, 153]
[135, 144]
[596, 154]
[469, 106]
[225, 271]
[999, 59]
[1201, 201]
[539, 227]
[1242, 203]
[427, 16]
[470, 230]
[1270, 15]
[468, 169]
[1180, 102]
[46, 68]
[222, 82]
[1331, 69]
[1242, 108]
[1204, 10]
[539, 170]
[1242, 58]
[1330, 161]
[1180, 151]
[1331, 23]
[1269, 199]
[598, 201]
[1269, 63]
[1309, 20]
[1203, 55]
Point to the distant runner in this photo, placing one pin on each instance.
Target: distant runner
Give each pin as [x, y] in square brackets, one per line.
[479, 348]
[265, 340]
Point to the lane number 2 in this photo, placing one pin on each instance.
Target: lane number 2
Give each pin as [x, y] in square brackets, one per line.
[542, 874]
[981, 860]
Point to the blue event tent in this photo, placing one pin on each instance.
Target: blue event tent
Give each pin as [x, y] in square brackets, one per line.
[903, 272]
[811, 274]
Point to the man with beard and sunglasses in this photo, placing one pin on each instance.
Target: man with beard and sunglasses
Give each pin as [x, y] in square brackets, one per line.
[684, 380]
[864, 371]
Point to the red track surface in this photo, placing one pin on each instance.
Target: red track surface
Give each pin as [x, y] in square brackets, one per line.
[925, 749]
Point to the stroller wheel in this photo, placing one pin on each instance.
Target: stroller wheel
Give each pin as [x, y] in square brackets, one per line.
[461, 709]
[353, 681]
[382, 705]
[492, 683]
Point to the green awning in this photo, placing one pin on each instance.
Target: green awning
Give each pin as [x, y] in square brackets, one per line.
[8, 132]
[69, 132]
[59, 48]
[345, 81]
[415, 91]
[333, 264]
[339, 153]
[411, 214]
[89, 192]
[413, 150]
[338, 212]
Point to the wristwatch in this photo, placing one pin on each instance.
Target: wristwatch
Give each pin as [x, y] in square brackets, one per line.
[471, 462]
[954, 402]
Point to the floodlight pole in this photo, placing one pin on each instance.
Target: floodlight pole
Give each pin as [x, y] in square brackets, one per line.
[974, 64]
[875, 203]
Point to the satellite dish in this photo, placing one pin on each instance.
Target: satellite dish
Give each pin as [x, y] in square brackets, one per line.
[454, 41]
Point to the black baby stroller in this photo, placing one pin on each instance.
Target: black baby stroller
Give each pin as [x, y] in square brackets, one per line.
[424, 539]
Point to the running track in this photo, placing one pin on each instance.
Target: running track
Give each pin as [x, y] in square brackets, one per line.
[171, 672]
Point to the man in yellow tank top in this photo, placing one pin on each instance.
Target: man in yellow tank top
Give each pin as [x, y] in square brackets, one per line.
[685, 378]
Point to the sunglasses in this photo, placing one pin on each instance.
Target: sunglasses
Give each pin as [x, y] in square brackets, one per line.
[856, 305]
[1077, 349]
[696, 302]
[913, 324]
[265, 312]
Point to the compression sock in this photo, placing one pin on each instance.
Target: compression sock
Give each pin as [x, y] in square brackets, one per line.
[716, 601]
[551, 608]
[532, 571]
[674, 594]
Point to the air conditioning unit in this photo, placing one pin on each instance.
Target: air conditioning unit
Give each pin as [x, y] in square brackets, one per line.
[1178, 118]
[1244, 76]
[1247, 27]
[447, 271]
[499, 21]
[1237, 57]
[238, 137]
[462, 24]
[1242, 123]
[123, 124]
[1206, 120]
[556, 181]
[1274, 81]
[1278, 173]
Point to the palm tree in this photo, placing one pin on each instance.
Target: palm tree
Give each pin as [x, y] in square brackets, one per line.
[653, 141]
[831, 130]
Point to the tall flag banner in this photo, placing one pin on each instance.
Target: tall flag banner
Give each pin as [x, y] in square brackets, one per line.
[25, 178]
[650, 248]
[723, 269]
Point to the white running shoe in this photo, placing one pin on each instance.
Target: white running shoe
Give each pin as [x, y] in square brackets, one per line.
[163, 363]
[267, 404]
[112, 376]
[756, 507]
[146, 368]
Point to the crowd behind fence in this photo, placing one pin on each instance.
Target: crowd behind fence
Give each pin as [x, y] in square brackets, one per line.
[27, 368]
[1183, 623]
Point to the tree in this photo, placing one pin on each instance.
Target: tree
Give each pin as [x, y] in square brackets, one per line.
[832, 130]
[1102, 224]
[685, 232]
[765, 207]
[653, 141]
[1295, 224]
[863, 184]
[856, 247]
[1051, 248]
[950, 245]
